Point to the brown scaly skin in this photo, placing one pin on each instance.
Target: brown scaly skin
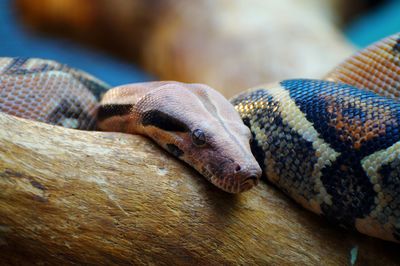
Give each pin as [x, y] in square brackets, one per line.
[193, 122]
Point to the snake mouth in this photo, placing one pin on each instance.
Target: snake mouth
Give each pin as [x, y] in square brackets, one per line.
[248, 183]
[233, 185]
[221, 183]
[234, 182]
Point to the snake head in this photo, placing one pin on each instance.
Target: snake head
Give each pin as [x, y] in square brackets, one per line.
[199, 126]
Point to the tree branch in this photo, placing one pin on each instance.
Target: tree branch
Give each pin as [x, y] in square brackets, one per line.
[69, 196]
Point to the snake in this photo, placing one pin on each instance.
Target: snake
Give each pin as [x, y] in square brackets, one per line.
[331, 144]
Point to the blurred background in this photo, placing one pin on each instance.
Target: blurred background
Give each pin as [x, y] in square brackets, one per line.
[228, 44]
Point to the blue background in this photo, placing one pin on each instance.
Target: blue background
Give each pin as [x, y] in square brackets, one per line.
[17, 41]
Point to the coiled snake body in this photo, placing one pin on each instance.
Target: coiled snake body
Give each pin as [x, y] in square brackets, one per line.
[332, 145]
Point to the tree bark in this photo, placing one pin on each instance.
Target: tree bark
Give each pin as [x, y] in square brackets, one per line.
[77, 197]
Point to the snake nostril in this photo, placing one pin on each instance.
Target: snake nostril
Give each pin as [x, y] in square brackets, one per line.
[238, 168]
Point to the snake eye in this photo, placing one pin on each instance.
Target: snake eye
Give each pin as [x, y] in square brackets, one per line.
[198, 137]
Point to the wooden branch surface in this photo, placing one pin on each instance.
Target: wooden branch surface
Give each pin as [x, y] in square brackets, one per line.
[69, 196]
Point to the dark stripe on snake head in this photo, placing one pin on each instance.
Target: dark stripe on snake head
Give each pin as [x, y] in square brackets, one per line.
[172, 148]
[109, 110]
[163, 121]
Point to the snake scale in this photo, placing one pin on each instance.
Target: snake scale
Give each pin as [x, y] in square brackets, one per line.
[333, 145]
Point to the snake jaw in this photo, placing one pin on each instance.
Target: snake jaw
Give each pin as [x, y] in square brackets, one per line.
[225, 173]
[249, 182]
[234, 181]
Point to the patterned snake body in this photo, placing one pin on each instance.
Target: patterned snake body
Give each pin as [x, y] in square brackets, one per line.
[333, 148]
[332, 145]
[50, 92]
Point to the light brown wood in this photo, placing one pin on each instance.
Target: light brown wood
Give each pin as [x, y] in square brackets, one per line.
[69, 196]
